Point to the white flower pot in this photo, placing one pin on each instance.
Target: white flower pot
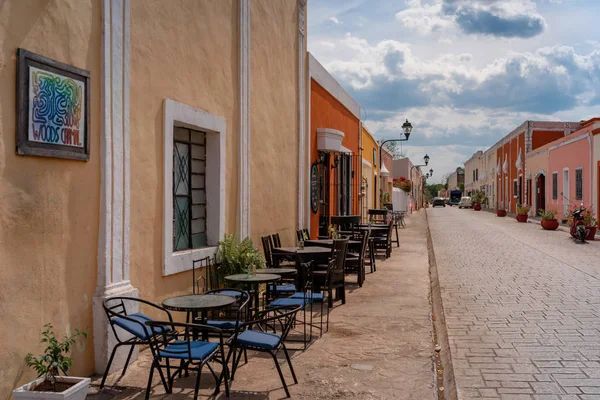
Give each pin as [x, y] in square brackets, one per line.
[75, 392]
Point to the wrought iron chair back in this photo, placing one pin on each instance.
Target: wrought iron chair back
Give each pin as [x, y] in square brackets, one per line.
[197, 286]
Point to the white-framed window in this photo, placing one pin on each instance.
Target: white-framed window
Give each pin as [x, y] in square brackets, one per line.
[194, 185]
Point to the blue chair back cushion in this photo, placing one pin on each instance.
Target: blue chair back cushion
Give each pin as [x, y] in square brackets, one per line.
[262, 340]
[179, 349]
[140, 331]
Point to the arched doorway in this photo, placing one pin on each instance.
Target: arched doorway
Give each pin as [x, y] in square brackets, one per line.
[540, 193]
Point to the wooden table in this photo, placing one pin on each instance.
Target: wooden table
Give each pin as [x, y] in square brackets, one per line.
[327, 243]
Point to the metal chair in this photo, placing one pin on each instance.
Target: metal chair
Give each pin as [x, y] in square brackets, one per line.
[192, 354]
[135, 324]
[254, 335]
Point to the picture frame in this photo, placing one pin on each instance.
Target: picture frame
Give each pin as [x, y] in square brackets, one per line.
[53, 108]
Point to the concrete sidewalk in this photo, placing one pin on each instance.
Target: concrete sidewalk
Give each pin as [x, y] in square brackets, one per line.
[379, 344]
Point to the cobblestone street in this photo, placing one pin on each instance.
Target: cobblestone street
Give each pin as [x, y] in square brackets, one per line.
[521, 307]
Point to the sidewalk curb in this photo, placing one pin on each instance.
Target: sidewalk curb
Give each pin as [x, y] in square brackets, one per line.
[446, 383]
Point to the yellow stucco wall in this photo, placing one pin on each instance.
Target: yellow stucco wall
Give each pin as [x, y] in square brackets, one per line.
[274, 119]
[369, 145]
[48, 207]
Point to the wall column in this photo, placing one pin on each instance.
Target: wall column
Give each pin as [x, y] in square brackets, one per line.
[244, 150]
[113, 242]
[302, 196]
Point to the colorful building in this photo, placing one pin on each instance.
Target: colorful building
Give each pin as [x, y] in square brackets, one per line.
[474, 168]
[513, 178]
[184, 80]
[334, 136]
[404, 168]
[563, 171]
[370, 173]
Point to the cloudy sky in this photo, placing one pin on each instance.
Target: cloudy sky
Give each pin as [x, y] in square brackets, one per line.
[464, 72]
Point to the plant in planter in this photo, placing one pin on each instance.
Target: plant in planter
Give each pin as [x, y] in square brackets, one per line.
[403, 183]
[522, 212]
[333, 233]
[591, 222]
[478, 198]
[237, 258]
[549, 221]
[386, 197]
[49, 384]
[501, 211]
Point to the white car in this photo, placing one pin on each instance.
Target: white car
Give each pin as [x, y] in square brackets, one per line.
[465, 202]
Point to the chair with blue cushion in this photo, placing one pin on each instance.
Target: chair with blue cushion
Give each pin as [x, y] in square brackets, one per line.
[260, 335]
[192, 354]
[135, 324]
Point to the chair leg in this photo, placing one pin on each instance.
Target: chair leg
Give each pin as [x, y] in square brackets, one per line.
[168, 387]
[110, 360]
[287, 392]
[289, 361]
[127, 361]
[149, 386]
[236, 361]
[198, 383]
[397, 238]
[322, 306]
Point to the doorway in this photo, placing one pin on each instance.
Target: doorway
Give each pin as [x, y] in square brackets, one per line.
[540, 193]
[565, 193]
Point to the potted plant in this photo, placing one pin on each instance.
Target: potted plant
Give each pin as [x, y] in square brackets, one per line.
[477, 199]
[591, 224]
[522, 212]
[549, 221]
[333, 233]
[49, 384]
[501, 211]
[403, 183]
[237, 258]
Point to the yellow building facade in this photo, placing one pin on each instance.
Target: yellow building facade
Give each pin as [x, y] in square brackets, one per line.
[164, 76]
[370, 172]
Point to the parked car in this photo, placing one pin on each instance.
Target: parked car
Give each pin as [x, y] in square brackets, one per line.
[465, 202]
[439, 201]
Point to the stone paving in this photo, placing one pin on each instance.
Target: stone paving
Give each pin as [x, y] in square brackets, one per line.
[521, 307]
[379, 344]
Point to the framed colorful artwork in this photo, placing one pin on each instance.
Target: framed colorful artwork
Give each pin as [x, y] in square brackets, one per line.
[53, 108]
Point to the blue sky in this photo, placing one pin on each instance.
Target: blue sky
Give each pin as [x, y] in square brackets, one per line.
[464, 72]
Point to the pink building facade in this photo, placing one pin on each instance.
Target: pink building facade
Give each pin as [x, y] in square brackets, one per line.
[564, 172]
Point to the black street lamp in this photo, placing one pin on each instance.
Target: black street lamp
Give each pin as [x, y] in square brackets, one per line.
[406, 129]
[426, 159]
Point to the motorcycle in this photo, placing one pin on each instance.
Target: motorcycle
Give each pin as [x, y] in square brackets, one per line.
[578, 230]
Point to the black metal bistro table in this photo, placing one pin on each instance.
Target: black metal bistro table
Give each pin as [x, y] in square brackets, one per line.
[253, 281]
[327, 243]
[198, 304]
[277, 271]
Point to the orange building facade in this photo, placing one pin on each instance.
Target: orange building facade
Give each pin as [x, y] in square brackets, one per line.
[334, 137]
[513, 178]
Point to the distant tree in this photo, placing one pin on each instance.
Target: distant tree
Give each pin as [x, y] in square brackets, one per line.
[393, 149]
[461, 187]
[445, 180]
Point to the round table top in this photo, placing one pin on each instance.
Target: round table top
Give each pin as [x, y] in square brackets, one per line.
[258, 278]
[327, 242]
[373, 227]
[305, 250]
[277, 271]
[197, 302]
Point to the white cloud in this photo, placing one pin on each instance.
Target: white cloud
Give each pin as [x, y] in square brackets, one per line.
[335, 20]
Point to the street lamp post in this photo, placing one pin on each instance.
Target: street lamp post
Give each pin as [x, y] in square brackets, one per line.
[407, 129]
[426, 159]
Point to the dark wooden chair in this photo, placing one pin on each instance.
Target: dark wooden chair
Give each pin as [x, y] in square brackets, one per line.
[267, 244]
[355, 262]
[384, 242]
[337, 278]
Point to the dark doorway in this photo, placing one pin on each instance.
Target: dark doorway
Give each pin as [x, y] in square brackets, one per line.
[540, 195]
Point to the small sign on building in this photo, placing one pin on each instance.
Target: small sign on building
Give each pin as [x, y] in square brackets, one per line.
[53, 113]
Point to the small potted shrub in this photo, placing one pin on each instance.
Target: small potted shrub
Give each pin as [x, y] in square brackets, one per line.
[591, 224]
[237, 258]
[477, 199]
[49, 384]
[549, 221]
[522, 212]
[501, 211]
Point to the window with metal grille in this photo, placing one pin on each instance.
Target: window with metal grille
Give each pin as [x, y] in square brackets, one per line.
[515, 188]
[579, 184]
[189, 189]
[555, 186]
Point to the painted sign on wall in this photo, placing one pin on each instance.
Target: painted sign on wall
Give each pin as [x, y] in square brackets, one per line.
[52, 108]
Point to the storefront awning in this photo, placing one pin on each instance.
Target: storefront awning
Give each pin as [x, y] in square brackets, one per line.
[384, 171]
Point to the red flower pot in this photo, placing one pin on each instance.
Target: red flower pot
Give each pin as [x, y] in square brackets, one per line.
[501, 213]
[522, 218]
[477, 207]
[591, 233]
[550, 224]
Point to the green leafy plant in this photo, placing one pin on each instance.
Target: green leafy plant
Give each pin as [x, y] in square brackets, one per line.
[333, 232]
[236, 258]
[547, 215]
[54, 360]
[386, 197]
[523, 209]
[478, 197]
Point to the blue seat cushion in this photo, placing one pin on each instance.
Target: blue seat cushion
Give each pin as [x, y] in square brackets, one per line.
[313, 296]
[231, 293]
[262, 340]
[199, 350]
[221, 324]
[140, 331]
[290, 287]
[289, 302]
